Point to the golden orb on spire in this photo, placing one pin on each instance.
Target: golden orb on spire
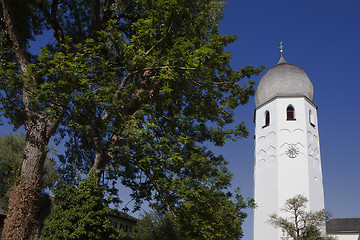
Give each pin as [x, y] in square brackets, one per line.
[281, 48]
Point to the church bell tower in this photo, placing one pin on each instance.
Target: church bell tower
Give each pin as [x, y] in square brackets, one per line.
[287, 150]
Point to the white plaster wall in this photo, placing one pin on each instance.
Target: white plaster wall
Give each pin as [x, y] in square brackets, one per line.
[265, 173]
[316, 191]
[316, 194]
[346, 236]
[278, 177]
[126, 226]
[293, 172]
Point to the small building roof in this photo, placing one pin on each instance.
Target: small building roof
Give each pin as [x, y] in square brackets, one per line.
[343, 225]
[119, 214]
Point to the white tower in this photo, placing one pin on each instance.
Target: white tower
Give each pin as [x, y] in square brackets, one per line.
[287, 152]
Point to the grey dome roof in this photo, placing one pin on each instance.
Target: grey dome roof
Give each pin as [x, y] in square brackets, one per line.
[283, 79]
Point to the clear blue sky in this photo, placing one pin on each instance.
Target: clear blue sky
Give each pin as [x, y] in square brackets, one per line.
[322, 37]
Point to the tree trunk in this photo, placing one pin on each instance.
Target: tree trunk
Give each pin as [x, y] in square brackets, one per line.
[23, 208]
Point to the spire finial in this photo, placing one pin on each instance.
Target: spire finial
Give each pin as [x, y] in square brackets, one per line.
[282, 60]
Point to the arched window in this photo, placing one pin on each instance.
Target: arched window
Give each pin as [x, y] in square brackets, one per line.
[311, 119]
[267, 119]
[290, 113]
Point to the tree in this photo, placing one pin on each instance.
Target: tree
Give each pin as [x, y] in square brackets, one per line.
[212, 214]
[27, 101]
[11, 152]
[11, 156]
[139, 86]
[80, 212]
[299, 223]
[196, 220]
[155, 225]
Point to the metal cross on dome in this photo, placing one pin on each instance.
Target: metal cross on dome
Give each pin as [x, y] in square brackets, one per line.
[281, 47]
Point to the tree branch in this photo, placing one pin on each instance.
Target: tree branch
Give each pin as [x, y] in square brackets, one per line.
[51, 16]
[116, 95]
[158, 42]
[167, 66]
[12, 103]
[155, 184]
[22, 55]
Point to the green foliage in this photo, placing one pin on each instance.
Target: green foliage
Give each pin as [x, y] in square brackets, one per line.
[212, 214]
[155, 226]
[80, 213]
[207, 216]
[300, 224]
[11, 156]
[163, 87]
[139, 87]
[11, 152]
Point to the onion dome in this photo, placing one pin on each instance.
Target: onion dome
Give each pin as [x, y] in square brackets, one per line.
[283, 80]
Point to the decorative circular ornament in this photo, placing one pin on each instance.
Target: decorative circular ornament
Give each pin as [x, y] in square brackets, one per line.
[292, 151]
